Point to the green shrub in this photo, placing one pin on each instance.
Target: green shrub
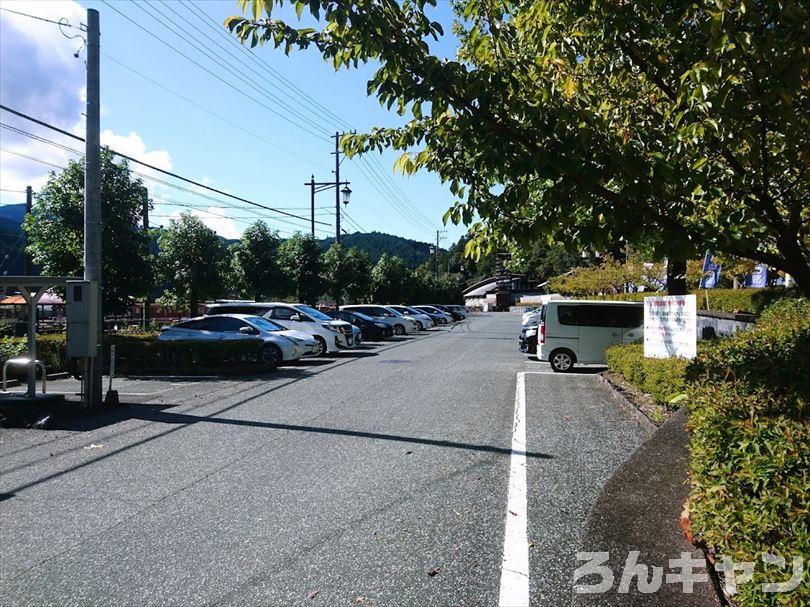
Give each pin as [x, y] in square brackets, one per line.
[750, 491]
[773, 354]
[662, 378]
[142, 353]
[750, 461]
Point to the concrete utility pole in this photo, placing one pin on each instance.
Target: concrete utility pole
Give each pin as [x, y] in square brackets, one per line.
[320, 186]
[92, 198]
[29, 203]
[147, 312]
[312, 203]
[337, 187]
[438, 237]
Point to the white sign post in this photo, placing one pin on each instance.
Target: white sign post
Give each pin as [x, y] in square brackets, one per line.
[670, 326]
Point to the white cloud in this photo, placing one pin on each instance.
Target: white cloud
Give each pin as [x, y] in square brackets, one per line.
[40, 76]
[211, 217]
[134, 146]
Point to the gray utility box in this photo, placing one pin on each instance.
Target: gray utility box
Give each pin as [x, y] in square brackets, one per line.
[82, 321]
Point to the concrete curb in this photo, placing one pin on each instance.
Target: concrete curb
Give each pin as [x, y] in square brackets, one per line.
[630, 409]
[14, 383]
[639, 509]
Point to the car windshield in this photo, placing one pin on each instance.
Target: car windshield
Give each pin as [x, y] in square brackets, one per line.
[394, 312]
[263, 323]
[362, 316]
[316, 314]
[413, 310]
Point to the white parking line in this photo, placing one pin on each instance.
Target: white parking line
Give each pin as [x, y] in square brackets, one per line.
[515, 564]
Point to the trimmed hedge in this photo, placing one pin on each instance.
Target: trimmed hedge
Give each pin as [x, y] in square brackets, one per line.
[750, 448]
[662, 378]
[751, 301]
[142, 353]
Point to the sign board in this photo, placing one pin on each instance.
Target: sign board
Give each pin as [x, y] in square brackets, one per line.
[670, 326]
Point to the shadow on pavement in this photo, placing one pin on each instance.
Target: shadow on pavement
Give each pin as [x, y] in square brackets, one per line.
[158, 413]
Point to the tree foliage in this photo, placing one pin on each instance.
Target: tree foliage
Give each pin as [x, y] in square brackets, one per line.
[675, 125]
[300, 260]
[55, 230]
[191, 262]
[255, 266]
[389, 279]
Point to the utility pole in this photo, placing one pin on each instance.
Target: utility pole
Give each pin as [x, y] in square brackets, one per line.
[29, 203]
[337, 187]
[438, 237]
[147, 302]
[92, 199]
[312, 203]
[320, 186]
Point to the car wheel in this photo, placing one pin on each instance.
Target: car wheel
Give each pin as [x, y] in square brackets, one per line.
[561, 361]
[399, 330]
[321, 345]
[272, 357]
[420, 326]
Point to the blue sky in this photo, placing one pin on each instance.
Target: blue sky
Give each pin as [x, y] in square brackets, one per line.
[253, 152]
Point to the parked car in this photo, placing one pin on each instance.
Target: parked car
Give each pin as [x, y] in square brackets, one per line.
[422, 320]
[577, 331]
[528, 339]
[279, 346]
[456, 314]
[438, 316]
[371, 329]
[398, 322]
[332, 335]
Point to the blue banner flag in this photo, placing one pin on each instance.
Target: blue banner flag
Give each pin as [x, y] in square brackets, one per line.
[711, 272]
[758, 279]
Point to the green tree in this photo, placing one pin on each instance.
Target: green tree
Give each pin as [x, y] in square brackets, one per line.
[191, 262]
[300, 260]
[677, 125]
[55, 230]
[347, 274]
[255, 263]
[389, 280]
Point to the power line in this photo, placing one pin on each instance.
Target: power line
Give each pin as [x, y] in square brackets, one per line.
[209, 111]
[202, 67]
[63, 21]
[158, 169]
[382, 178]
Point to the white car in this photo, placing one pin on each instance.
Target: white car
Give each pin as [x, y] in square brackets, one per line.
[280, 345]
[332, 335]
[423, 321]
[400, 323]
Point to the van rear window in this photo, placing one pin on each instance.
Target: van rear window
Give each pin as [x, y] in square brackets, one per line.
[601, 315]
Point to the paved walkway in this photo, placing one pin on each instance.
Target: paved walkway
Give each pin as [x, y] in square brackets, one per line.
[639, 510]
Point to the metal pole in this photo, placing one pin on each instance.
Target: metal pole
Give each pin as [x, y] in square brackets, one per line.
[29, 203]
[31, 299]
[147, 311]
[337, 187]
[437, 253]
[312, 203]
[92, 195]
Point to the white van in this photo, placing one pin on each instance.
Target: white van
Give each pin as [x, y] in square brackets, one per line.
[332, 335]
[577, 331]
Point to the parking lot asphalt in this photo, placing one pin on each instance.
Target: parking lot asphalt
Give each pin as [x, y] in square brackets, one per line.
[375, 477]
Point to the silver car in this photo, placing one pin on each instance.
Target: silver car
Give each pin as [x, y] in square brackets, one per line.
[280, 345]
[422, 320]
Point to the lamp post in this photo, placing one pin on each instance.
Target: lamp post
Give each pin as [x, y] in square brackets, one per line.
[343, 194]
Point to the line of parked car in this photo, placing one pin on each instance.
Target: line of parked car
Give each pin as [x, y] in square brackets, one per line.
[565, 332]
[290, 331]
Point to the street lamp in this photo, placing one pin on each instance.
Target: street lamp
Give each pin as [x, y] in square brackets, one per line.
[347, 194]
